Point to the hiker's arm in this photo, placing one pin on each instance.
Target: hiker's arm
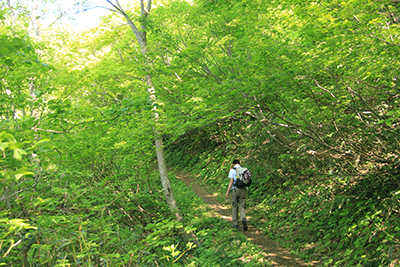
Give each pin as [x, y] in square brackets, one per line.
[229, 187]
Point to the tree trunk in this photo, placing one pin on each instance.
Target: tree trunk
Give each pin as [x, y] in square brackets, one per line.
[162, 166]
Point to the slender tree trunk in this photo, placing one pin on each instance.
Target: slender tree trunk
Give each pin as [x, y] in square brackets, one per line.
[162, 166]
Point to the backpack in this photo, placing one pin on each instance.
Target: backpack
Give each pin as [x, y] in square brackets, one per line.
[243, 177]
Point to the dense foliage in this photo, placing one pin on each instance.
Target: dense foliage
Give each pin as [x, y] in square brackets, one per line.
[304, 93]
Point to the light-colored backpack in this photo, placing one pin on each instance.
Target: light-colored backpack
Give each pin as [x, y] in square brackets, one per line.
[243, 177]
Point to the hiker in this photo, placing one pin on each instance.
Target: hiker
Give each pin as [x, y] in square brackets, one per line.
[239, 196]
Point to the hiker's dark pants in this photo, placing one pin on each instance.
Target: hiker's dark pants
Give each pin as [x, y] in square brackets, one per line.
[239, 196]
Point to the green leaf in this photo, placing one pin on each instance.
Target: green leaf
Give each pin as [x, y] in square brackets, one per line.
[21, 172]
[18, 153]
[4, 145]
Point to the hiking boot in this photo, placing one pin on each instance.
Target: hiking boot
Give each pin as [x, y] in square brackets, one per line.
[244, 225]
[235, 226]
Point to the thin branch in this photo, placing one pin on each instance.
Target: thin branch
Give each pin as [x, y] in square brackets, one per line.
[117, 10]
[73, 126]
[211, 74]
[104, 89]
[22, 190]
[180, 34]
[316, 82]
[380, 39]
[49, 131]
[362, 100]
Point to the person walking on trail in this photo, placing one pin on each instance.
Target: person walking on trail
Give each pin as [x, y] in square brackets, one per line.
[239, 196]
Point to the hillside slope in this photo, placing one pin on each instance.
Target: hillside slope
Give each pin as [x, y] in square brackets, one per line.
[319, 208]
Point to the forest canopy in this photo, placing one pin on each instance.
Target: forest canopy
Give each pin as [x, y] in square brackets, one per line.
[305, 93]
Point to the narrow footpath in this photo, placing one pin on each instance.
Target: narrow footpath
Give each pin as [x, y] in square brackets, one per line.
[272, 251]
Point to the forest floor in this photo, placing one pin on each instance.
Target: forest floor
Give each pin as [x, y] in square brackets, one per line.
[274, 253]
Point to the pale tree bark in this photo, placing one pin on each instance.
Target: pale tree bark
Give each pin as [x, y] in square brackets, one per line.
[162, 166]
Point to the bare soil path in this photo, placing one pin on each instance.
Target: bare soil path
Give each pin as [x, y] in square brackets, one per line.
[272, 251]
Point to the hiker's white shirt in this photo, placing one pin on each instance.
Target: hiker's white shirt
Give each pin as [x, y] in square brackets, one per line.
[232, 174]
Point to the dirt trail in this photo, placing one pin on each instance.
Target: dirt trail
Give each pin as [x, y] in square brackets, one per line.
[272, 251]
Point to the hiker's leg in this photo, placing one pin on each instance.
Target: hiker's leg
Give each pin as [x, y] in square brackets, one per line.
[242, 203]
[235, 208]
[242, 207]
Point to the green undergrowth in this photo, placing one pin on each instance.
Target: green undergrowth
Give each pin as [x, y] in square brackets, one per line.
[326, 214]
[335, 228]
[116, 222]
